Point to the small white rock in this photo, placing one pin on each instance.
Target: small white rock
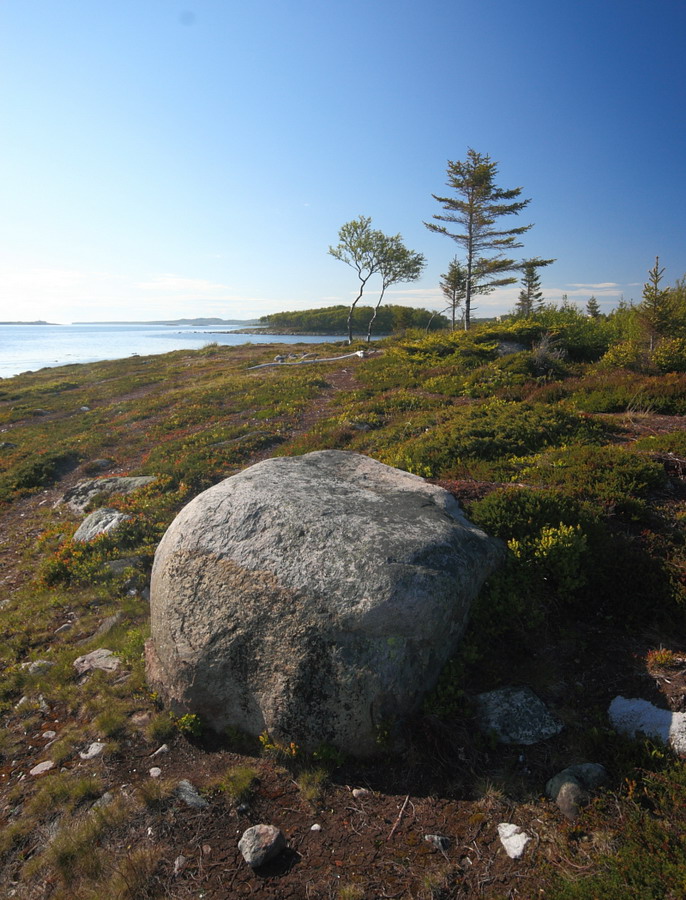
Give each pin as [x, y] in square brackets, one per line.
[513, 839]
[94, 750]
[42, 767]
[359, 793]
[163, 749]
[179, 864]
[155, 772]
[316, 827]
[49, 735]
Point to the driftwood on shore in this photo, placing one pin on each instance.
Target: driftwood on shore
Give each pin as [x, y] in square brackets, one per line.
[281, 360]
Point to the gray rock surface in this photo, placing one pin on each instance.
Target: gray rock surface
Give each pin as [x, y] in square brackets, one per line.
[516, 716]
[102, 521]
[587, 776]
[95, 749]
[97, 659]
[630, 716]
[261, 843]
[189, 795]
[570, 798]
[316, 597]
[78, 497]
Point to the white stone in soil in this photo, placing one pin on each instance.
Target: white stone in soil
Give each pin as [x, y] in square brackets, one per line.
[94, 750]
[632, 715]
[513, 839]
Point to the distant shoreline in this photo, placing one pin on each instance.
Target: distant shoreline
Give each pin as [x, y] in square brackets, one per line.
[294, 332]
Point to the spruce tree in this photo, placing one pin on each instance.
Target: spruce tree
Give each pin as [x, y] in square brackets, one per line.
[454, 288]
[655, 310]
[476, 207]
[531, 296]
[593, 308]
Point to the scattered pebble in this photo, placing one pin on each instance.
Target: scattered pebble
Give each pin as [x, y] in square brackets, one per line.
[37, 666]
[49, 735]
[163, 749]
[105, 800]
[42, 767]
[190, 796]
[261, 843]
[97, 659]
[66, 627]
[316, 827]
[513, 839]
[155, 772]
[179, 864]
[438, 840]
[359, 793]
[94, 750]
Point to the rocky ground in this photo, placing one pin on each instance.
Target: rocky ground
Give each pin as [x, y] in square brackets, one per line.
[422, 824]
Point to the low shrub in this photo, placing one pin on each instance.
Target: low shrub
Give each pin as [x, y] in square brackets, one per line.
[239, 782]
[670, 355]
[40, 471]
[517, 513]
[610, 474]
[489, 431]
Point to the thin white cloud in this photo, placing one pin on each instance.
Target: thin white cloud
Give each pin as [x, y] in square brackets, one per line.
[599, 286]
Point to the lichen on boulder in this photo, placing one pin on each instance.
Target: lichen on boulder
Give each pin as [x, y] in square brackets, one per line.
[315, 597]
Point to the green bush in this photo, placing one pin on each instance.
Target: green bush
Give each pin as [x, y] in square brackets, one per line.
[610, 474]
[520, 512]
[39, 471]
[624, 355]
[670, 355]
[489, 431]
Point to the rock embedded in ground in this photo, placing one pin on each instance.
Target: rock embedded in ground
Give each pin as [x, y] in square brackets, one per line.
[571, 788]
[315, 597]
[630, 716]
[516, 716]
[94, 750]
[261, 843]
[513, 839]
[78, 497]
[43, 767]
[97, 659]
[102, 521]
[37, 666]
[118, 566]
[189, 795]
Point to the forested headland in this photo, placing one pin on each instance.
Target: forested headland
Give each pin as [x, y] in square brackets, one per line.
[390, 319]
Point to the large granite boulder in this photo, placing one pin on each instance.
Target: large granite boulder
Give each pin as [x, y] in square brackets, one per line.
[315, 597]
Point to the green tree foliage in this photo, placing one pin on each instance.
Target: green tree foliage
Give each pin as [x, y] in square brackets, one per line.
[655, 310]
[334, 319]
[396, 264]
[531, 296]
[357, 247]
[370, 252]
[476, 207]
[593, 308]
[454, 288]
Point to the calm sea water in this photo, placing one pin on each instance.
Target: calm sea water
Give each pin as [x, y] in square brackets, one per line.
[25, 348]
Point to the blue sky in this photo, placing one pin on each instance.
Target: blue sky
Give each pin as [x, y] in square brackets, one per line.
[168, 159]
